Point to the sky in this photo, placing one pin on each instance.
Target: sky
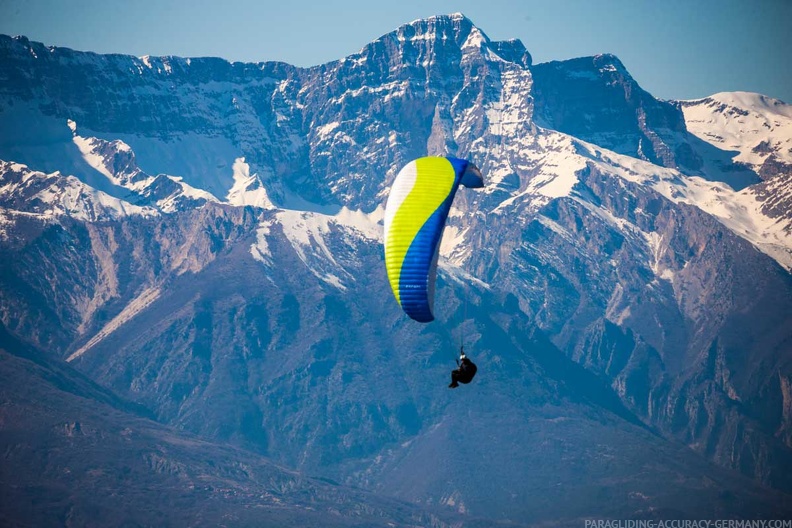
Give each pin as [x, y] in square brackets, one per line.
[675, 49]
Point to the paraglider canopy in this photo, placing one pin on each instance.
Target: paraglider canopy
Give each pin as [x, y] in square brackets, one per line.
[415, 216]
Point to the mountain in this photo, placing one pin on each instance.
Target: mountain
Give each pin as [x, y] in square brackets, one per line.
[203, 238]
[757, 132]
[596, 99]
[756, 127]
[75, 455]
[305, 391]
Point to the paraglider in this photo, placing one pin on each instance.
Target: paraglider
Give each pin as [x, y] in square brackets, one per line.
[415, 215]
[464, 372]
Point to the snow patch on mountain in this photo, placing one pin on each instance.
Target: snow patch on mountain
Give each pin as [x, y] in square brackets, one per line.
[475, 39]
[116, 161]
[170, 203]
[749, 124]
[325, 131]
[739, 211]
[452, 270]
[201, 161]
[555, 159]
[452, 245]
[655, 243]
[55, 195]
[248, 188]
[314, 236]
[88, 151]
[103, 156]
[554, 163]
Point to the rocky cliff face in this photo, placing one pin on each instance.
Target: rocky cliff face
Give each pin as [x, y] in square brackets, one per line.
[210, 248]
[596, 99]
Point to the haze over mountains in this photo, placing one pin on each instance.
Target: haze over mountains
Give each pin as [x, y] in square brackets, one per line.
[198, 243]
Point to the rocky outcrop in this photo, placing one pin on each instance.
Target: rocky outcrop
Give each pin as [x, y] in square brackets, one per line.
[596, 99]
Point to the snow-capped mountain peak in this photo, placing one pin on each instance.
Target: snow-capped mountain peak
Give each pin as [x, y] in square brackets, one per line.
[49, 196]
[756, 128]
[754, 102]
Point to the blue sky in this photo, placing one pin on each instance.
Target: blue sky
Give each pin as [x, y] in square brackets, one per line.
[675, 49]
